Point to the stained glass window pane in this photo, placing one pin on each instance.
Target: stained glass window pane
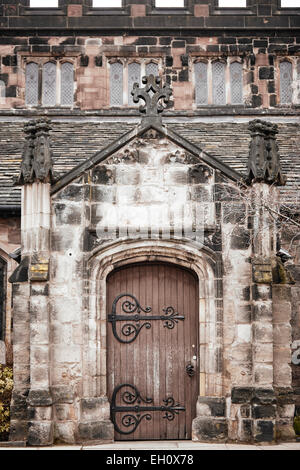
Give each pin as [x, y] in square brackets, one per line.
[67, 84]
[152, 69]
[134, 76]
[49, 84]
[286, 79]
[116, 84]
[201, 91]
[218, 82]
[32, 84]
[236, 83]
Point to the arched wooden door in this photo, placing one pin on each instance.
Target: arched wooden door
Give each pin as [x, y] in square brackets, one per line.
[152, 351]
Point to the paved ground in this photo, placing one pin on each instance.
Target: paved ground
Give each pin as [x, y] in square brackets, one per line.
[166, 445]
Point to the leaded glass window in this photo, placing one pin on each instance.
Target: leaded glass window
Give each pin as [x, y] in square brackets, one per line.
[116, 84]
[49, 84]
[32, 84]
[218, 83]
[134, 76]
[124, 73]
[236, 83]
[201, 90]
[43, 86]
[67, 84]
[2, 92]
[286, 80]
[152, 69]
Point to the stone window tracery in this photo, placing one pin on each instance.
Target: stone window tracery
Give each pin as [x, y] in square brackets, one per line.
[49, 83]
[123, 75]
[218, 82]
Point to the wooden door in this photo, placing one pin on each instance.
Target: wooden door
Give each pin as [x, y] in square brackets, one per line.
[152, 351]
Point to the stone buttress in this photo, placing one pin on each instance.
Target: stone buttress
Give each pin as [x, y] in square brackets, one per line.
[31, 410]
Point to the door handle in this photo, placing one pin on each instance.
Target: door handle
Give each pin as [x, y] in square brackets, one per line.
[190, 369]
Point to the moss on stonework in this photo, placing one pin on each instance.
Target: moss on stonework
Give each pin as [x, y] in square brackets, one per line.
[6, 386]
[297, 425]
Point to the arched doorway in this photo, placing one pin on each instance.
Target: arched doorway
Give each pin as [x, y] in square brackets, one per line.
[152, 350]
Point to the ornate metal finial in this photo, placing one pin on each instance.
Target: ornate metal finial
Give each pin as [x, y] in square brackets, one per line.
[151, 93]
[264, 159]
[37, 156]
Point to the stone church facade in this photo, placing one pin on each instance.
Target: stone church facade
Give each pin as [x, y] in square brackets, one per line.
[149, 207]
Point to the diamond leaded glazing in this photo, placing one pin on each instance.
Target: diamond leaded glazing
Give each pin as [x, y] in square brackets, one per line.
[32, 84]
[218, 82]
[152, 69]
[236, 83]
[134, 76]
[286, 81]
[67, 84]
[49, 84]
[116, 84]
[201, 89]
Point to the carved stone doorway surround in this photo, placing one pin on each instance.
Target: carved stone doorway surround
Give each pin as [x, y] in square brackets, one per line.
[95, 408]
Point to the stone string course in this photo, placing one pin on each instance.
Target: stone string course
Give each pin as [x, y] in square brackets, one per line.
[260, 56]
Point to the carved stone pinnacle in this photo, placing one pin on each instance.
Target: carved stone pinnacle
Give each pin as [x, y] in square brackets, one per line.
[37, 156]
[264, 159]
